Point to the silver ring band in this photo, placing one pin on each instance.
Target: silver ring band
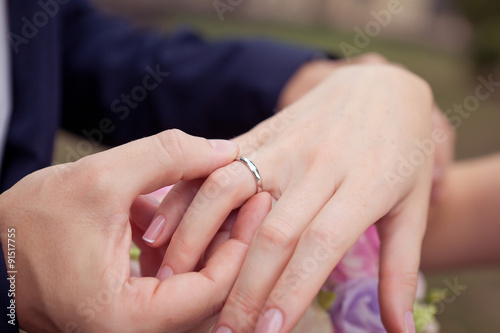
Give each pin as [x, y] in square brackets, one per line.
[249, 164]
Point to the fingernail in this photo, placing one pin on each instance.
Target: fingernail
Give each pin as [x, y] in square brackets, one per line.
[154, 229]
[270, 322]
[409, 322]
[224, 146]
[223, 329]
[165, 273]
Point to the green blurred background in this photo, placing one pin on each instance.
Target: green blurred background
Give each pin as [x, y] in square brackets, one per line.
[447, 43]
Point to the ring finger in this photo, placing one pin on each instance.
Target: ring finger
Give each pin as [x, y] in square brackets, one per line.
[224, 190]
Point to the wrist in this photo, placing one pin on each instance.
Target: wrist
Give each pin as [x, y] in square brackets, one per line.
[304, 79]
[23, 289]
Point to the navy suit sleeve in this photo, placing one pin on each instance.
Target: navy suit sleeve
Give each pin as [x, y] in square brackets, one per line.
[116, 86]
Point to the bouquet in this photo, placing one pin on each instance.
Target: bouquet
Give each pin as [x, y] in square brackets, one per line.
[349, 297]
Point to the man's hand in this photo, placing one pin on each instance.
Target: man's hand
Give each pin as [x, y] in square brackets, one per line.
[73, 238]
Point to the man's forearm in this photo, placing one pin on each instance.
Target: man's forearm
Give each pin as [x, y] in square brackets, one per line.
[464, 227]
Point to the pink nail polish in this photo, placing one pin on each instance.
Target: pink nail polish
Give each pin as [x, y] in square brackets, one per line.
[409, 323]
[223, 329]
[270, 322]
[154, 229]
[165, 273]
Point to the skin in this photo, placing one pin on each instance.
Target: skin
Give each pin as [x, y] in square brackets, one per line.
[73, 235]
[464, 226]
[101, 206]
[312, 73]
[327, 170]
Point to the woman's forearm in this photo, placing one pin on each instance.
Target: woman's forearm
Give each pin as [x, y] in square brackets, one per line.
[464, 228]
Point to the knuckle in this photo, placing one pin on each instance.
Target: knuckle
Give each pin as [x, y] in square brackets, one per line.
[240, 173]
[326, 234]
[179, 206]
[219, 182]
[375, 58]
[407, 279]
[95, 177]
[93, 185]
[392, 280]
[293, 281]
[221, 177]
[210, 191]
[171, 143]
[182, 248]
[243, 303]
[277, 234]
[224, 182]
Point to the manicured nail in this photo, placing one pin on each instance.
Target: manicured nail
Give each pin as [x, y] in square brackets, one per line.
[223, 329]
[165, 273]
[409, 322]
[154, 229]
[270, 322]
[224, 146]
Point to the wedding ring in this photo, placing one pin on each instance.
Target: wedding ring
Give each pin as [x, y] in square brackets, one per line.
[249, 164]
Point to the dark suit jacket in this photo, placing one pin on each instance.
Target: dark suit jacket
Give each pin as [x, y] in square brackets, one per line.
[72, 67]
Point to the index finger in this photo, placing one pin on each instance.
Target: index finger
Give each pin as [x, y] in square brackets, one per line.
[148, 164]
[195, 296]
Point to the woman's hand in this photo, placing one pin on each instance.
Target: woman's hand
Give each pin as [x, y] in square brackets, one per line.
[314, 72]
[73, 236]
[357, 149]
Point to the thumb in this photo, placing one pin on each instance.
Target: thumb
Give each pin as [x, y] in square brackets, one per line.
[401, 239]
[148, 164]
